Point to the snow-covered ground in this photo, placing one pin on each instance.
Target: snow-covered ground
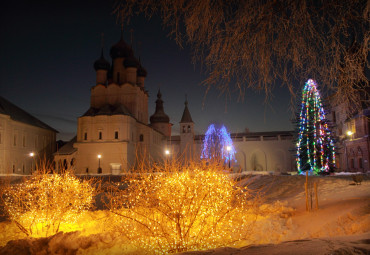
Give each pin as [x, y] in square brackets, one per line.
[341, 225]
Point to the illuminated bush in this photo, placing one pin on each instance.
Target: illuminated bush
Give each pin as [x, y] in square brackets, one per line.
[43, 204]
[182, 210]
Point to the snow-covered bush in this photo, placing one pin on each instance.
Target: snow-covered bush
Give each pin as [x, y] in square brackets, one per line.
[45, 202]
[177, 209]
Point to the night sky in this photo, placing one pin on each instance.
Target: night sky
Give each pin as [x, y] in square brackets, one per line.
[48, 49]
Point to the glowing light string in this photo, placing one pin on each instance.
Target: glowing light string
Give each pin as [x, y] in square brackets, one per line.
[315, 146]
[217, 144]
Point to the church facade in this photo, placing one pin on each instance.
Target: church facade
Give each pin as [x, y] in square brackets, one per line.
[115, 134]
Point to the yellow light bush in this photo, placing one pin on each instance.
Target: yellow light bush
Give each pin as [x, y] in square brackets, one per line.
[45, 202]
[182, 209]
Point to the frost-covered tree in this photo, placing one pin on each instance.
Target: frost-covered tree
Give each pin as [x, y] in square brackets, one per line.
[253, 44]
[315, 146]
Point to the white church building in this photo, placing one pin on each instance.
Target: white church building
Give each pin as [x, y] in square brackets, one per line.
[114, 134]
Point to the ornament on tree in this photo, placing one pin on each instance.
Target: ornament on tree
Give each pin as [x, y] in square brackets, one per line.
[315, 146]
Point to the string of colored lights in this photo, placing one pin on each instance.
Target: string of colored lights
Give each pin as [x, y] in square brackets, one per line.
[315, 146]
[218, 144]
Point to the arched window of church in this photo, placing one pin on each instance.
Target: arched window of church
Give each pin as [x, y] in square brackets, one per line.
[188, 128]
[141, 138]
[360, 163]
[183, 129]
[100, 135]
[116, 135]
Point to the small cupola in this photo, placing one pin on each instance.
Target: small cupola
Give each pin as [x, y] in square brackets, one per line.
[159, 115]
[131, 62]
[101, 63]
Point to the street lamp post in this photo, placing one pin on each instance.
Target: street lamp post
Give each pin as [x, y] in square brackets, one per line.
[167, 154]
[99, 168]
[32, 155]
[228, 148]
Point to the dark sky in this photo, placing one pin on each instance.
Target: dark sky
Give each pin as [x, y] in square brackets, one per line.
[47, 53]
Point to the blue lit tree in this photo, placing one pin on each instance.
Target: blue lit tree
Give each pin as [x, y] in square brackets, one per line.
[217, 145]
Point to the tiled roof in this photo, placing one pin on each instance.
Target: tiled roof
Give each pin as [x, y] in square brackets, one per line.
[68, 148]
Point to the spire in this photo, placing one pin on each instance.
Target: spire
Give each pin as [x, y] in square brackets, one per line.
[101, 63]
[159, 115]
[186, 117]
[121, 27]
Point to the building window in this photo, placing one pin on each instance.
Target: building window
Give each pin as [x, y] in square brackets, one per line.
[73, 161]
[188, 128]
[15, 140]
[141, 138]
[87, 170]
[23, 168]
[24, 141]
[360, 163]
[116, 135]
[352, 163]
[13, 168]
[183, 129]
[334, 117]
[85, 136]
[100, 135]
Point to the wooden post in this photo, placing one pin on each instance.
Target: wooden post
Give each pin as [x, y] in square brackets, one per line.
[316, 197]
[306, 190]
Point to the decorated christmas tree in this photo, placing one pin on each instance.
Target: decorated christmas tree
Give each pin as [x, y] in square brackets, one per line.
[315, 146]
[217, 145]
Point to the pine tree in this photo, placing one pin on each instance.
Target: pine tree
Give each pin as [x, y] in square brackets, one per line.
[315, 146]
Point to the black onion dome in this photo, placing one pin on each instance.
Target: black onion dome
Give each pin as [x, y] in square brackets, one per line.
[101, 63]
[131, 62]
[121, 50]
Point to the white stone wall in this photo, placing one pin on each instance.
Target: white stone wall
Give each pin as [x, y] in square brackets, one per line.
[18, 140]
[272, 153]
